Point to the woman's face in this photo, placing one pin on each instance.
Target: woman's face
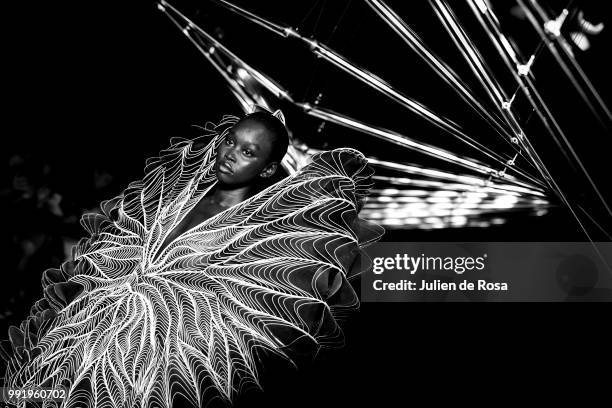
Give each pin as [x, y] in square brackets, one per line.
[243, 156]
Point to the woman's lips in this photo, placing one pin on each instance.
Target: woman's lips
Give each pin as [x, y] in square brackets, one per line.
[225, 168]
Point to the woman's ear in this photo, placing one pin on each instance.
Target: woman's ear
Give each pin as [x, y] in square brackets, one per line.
[269, 170]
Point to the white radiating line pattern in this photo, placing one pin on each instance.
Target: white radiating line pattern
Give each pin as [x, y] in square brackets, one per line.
[131, 324]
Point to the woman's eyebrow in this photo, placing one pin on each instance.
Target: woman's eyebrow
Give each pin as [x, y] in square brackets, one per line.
[253, 145]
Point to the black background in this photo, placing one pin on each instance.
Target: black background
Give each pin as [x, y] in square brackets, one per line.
[102, 85]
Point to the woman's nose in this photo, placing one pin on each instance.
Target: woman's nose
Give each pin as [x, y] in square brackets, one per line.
[229, 155]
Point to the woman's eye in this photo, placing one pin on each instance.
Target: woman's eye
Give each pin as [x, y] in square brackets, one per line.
[248, 152]
[229, 142]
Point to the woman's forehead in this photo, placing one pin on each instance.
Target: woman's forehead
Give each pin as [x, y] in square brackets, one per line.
[250, 131]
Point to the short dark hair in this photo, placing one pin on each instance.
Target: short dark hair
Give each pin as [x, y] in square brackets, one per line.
[276, 128]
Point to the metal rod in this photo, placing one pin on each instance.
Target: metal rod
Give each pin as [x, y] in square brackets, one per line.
[440, 67]
[367, 78]
[405, 141]
[564, 48]
[529, 89]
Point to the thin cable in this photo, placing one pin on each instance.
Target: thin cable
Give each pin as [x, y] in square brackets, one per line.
[348, 4]
[301, 24]
[314, 29]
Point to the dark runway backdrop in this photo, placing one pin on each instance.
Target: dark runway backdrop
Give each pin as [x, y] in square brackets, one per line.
[92, 89]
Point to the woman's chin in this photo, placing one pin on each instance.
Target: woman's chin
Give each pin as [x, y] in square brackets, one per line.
[222, 178]
[227, 179]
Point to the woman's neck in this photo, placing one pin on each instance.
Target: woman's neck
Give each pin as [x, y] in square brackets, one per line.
[228, 197]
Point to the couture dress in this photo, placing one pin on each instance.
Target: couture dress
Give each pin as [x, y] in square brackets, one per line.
[127, 323]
